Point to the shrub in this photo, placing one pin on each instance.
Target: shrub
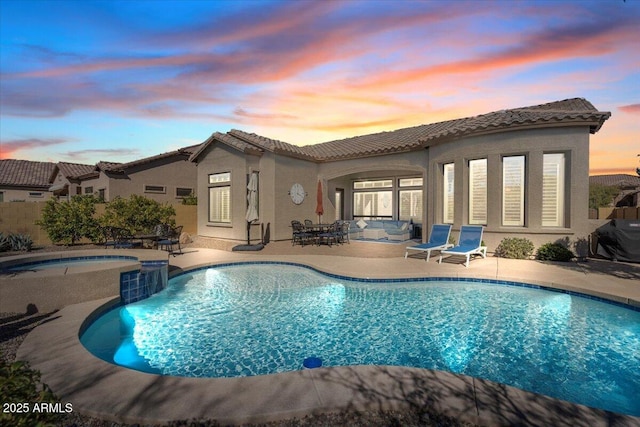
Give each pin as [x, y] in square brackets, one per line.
[191, 199]
[15, 242]
[515, 247]
[554, 252]
[68, 222]
[20, 385]
[5, 243]
[137, 214]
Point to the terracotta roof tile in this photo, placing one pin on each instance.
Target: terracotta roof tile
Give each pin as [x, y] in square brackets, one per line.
[616, 180]
[74, 170]
[25, 173]
[577, 111]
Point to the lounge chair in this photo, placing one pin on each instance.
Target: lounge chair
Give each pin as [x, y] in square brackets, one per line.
[438, 241]
[469, 243]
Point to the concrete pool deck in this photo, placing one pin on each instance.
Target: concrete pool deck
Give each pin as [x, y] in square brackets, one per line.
[100, 389]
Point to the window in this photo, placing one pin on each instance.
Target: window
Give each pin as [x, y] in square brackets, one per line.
[410, 200]
[220, 197]
[35, 194]
[513, 191]
[478, 191]
[553, 190]
[183, 192]
[449, 193]
[339, 203]
[373, 204]
[101, 194]
[410, 182]
[1, 196]
[381, 183]
[410, 205]
[88, 190]
[155, 189]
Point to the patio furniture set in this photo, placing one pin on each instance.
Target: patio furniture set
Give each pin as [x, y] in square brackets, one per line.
[336, 232]
[469, 243]
[163, 237]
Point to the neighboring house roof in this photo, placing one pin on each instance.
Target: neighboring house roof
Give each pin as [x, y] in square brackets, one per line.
[576, 111]
[71, 170]
[121, 167]
[25, 173]
[616, 180]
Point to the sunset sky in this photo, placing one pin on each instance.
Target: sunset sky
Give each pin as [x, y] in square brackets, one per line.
[84, 81]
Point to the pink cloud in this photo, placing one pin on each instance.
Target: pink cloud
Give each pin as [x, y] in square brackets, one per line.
[8, 148]
[631, 109]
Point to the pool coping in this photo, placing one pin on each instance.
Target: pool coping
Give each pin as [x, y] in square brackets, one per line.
[97, 388]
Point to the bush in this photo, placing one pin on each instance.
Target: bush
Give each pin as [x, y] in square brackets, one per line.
[19, 386]
[554, 252]
[515, 248]
[15, 242]
[68, 222]
[137, 214]
[191, 199]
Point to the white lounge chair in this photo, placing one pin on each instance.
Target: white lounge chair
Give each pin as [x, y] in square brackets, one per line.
[469, 243]
[438, 241]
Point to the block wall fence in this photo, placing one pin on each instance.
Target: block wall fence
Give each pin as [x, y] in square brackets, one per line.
[21, 217]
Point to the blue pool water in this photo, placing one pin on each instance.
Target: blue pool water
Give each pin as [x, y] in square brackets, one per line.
[258, 319]
[69, 262]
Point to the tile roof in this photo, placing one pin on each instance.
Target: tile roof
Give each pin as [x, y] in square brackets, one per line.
[25, 173]
[576, 111]
[71, 170]
[121, 167]
[616, 180]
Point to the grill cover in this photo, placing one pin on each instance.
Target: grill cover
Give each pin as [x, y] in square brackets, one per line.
[619, 240]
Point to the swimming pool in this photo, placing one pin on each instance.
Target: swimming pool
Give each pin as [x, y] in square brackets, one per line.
[68, 262]
[259, 319]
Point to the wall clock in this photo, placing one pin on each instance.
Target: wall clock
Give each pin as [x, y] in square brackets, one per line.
[297, 193]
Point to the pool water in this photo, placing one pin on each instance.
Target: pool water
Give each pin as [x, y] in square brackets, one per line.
[259, 319]
[68, 262]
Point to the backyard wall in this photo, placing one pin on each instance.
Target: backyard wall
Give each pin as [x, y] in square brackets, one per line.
[20, 217]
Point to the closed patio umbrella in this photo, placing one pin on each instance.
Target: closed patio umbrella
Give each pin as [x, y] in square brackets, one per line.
[319, 207]
[252, 206]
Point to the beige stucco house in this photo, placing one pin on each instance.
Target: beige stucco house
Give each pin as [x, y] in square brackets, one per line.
[520, 173]
[64, 180]
[166, 177]
[24, 180]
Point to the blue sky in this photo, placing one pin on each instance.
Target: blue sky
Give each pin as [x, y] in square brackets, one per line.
[84, 81]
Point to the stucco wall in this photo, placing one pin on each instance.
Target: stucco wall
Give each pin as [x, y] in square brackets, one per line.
[13, 194]
[573, 141]
[170, 172]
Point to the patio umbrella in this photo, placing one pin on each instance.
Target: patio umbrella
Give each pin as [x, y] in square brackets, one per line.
[319, 208]
[252, 199]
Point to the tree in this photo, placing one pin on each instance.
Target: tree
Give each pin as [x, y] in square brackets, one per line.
[68, 222]
[137, 214]
[601, 195]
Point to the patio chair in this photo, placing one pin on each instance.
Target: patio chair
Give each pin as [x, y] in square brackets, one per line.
[173, 238]
[343, 233]
[299, 234]
[332, 233]
[122, 239]
[438, 241]
[469, 243]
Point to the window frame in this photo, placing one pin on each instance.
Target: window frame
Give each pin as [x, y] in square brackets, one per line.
[521, 185]
[474, 190]
[221, 182]
[449, 192]
[558, 162]
[155, 189]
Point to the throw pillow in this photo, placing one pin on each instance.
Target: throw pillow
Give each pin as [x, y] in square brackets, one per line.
[361, 223]
[404, 226]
